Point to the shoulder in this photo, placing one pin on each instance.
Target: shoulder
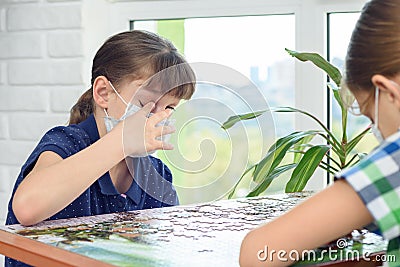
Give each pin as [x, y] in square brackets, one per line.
[380, 163]
[66, 132]
[64, 140]
[376, 180]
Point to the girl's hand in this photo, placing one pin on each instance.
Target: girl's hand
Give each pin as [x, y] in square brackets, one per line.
[139, 132]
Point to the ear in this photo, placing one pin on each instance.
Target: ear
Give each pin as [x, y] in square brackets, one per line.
[388, 86]
[100, 91]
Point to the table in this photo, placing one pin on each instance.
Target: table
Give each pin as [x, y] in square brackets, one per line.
[206, 234]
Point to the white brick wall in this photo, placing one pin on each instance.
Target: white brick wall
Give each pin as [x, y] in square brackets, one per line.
[44, 16]
[2, 19]
[36, 122]
[24, 98]
[3, 71]
[20, 45]
[41, 63]
[5, 192]
[4, 127]
[45, 72]
[5, 184]
[20, 1]
[5, 189]
[64, 44]
[62, 99]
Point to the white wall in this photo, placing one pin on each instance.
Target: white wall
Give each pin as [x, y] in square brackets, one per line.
[40, 77]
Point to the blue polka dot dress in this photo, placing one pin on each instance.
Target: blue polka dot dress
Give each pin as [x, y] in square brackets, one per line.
[151, 188]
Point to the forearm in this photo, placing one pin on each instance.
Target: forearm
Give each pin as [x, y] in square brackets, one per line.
[49, 190]
[330, 214]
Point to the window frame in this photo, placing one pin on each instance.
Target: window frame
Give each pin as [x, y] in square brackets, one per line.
[311, 19]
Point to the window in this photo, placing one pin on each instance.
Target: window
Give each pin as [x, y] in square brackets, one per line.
[207, 160]
[340, 29]
[269, 25]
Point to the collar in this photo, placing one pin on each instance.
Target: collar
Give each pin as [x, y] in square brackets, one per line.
[90, 127]
[107, 188]
[393, 137]
[134, 192]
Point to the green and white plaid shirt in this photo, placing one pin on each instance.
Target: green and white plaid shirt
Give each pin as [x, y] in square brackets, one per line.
[376, 179]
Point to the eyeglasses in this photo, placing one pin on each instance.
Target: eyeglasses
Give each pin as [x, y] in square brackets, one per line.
[355, 108]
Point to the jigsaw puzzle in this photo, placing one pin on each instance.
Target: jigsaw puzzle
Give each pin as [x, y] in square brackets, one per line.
[207, 234]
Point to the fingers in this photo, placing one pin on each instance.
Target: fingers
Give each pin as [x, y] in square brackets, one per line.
[154, 130]
[147, 108]
[164, 130]
[157, 144]
[157, 138]
[167, 146]
[162, 145]
[159, 116]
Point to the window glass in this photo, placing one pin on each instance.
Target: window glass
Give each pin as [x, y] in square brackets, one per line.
[254, 47]
[341, 26]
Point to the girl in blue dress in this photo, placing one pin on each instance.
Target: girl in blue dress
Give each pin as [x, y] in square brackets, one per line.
[99, 163]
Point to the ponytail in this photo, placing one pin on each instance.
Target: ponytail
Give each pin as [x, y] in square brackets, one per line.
[83, 108]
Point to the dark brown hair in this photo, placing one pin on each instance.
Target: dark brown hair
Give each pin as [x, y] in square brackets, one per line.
[133, 55]
[374, 46]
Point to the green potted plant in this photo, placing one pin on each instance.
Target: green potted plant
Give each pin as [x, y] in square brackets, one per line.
[334, 154]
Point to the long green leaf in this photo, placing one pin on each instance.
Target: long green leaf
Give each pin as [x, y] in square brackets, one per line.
[339, 151]
[329, 170]
[320, 62]
[306, 167]
[268, 179]
[332, 160]
[336, 143]
[301, 146]
[337, 95]
[236, 118]
[352, 144]
[277, 152]
[328, 166]
[358, 156]
[240, 179]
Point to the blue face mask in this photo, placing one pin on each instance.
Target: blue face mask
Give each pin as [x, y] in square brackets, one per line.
[375, 128]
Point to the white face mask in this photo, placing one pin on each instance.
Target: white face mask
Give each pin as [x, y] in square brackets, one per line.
[131, 109]
[110, 122]
[374, 127]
